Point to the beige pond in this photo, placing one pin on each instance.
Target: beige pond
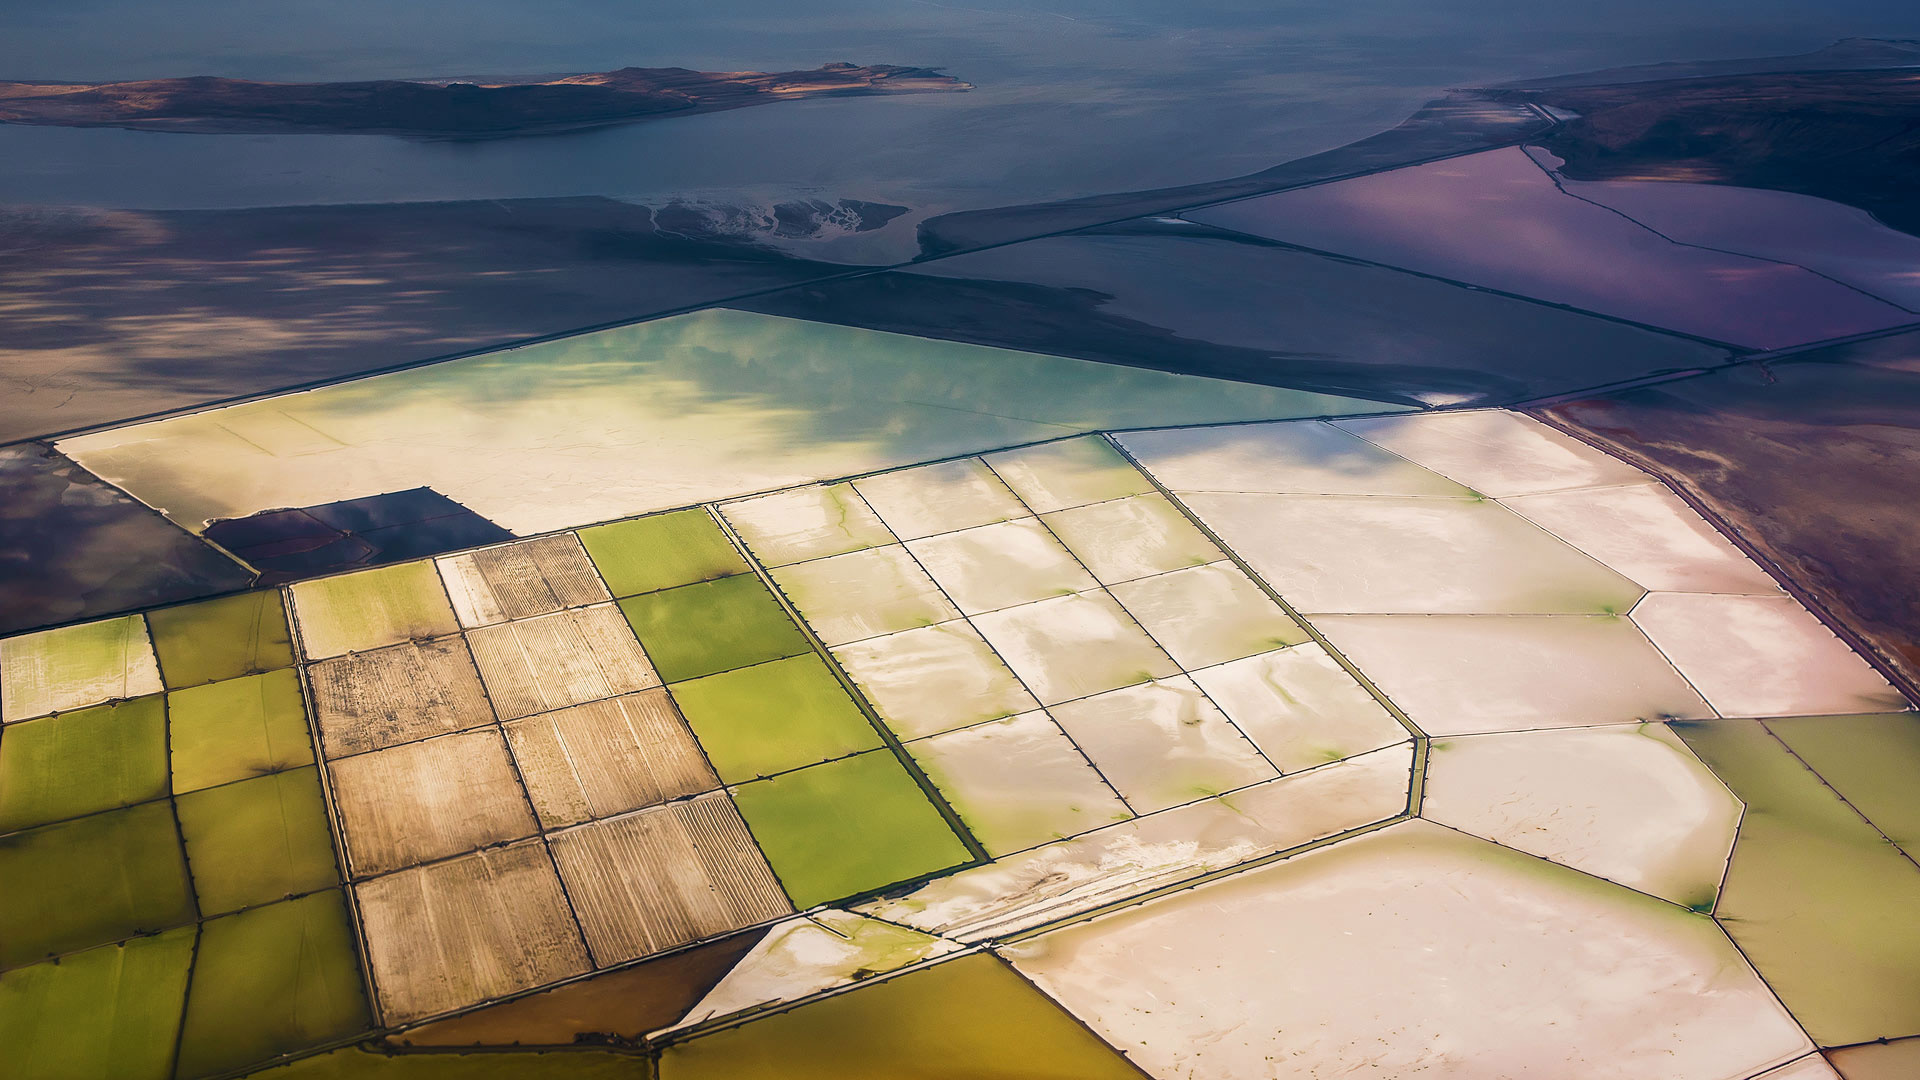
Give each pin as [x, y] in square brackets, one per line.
[1070, 472]
[1132, 538]
[864, 594]
[1163, 743]
[1495, 452]
[1762, 656]
[933, 679]
[806, 523]
[1072, 646]
[1459, 674]
[1001, 565]
[1018, 783]
[1299, 458]
[676, 411]
[1629, 803]
[1416, 950]
[1648, 534]
[1391, 555]
[1300, 707]
[1208, 614]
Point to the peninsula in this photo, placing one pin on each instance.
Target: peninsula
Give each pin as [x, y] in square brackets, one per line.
[484, 108]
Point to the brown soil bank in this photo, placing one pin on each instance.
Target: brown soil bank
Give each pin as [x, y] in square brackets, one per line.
[443, 107]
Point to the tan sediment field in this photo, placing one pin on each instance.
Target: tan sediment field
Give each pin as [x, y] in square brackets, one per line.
[567, 658]
[399, 694]
[608, 757]
[456, 933]
[426, 800]
[648, 881]
[519, 581]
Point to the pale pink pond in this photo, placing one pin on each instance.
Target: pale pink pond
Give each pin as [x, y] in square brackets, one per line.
[1498, 220]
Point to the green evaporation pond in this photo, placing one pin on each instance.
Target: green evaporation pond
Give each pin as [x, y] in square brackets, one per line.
[1872, 761]
[257, 841]
[81, 762]
[90, 881]
[236, 729]
[769, 718]
[353, 1063]
[1819, 901]
[270, 981]
[221, 639]
[970, 1017]
[847, 827]
[654, 553]
[713, 626]
[371, 608]
[110, 1012]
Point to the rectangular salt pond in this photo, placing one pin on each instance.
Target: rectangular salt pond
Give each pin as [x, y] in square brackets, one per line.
[75, 666]
[718, 625]
[110, 1011]
[372, 608]
[271, 980]
[847, 827]
[95, 879]
[1132, 538]
[711, 405]
[1456, 675]
[806, 523]
[864, 594]
[255, 841]
[941, 498]
[1071, 472]
[1300, 707]
[227, 731]
[81, 762]
[1390, 555]
[1018, 783]
[654, 553]
[221, 639]
[1072, 646]
[934, 679]
[1163, 743]
[1208, 614]
[999, 566]
[773, 717]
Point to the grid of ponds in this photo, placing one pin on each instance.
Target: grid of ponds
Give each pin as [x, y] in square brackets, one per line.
[981, 762]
